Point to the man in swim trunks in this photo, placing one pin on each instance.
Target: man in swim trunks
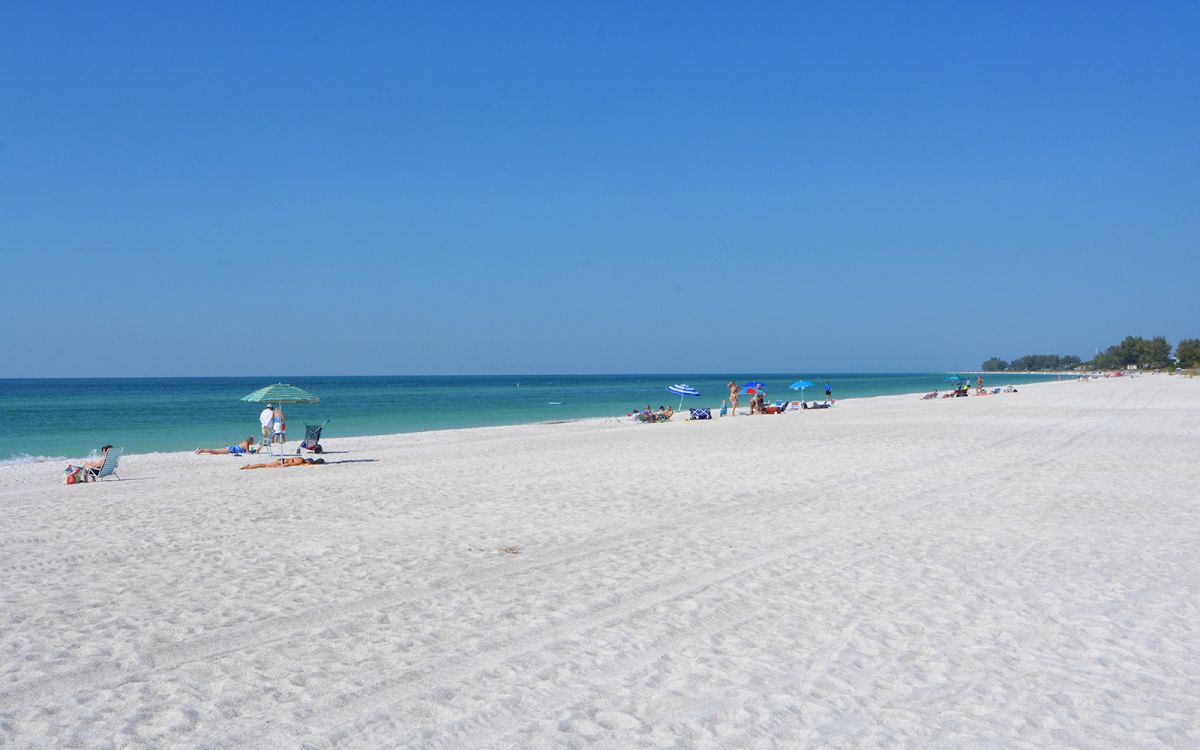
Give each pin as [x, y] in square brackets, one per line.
[733, 397]
[266, 418]
[828, 392]
[240, 449]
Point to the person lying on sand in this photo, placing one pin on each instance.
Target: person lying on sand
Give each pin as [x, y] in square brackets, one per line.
[240, 449]
[934, 394]
[293, 461]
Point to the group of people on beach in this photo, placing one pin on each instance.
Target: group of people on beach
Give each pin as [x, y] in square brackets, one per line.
[648, 414]
[274, 430]
[962, 388]
[758, 400]
[758, 405]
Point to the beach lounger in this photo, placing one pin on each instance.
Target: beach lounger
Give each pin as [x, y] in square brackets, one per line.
[109, 467]
[312, 437]
[701, 413]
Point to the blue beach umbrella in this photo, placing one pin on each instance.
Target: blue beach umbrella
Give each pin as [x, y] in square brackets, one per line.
[800, 385]
[753, 387]
[682, 389]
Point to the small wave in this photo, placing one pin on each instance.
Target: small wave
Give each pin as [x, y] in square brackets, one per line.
[25, 458]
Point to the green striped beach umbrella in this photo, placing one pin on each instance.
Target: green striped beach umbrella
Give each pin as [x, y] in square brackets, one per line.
[281, 393]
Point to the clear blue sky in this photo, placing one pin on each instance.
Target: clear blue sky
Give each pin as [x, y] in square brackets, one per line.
[599, 187]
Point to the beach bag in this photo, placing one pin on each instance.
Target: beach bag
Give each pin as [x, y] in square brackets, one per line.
[74, 475]
[699, 414]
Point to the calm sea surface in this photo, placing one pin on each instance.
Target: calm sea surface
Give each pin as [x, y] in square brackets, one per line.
[50, 418]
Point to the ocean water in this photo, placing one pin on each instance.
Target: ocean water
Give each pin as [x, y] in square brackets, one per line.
[51, 418]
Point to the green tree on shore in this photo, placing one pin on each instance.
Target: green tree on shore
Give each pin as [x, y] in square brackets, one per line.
[1187, 352]
[995, 364]
[1135, 350]
[1044, 362]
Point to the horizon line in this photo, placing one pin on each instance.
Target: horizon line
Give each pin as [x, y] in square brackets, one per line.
[755, 373]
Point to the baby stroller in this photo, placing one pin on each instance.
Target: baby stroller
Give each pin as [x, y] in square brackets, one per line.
[312, 438]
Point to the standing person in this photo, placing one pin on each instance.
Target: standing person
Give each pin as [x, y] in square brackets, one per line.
[266, 418]
[278, 426]
[828, 392]
[733, 397]
[979, 384]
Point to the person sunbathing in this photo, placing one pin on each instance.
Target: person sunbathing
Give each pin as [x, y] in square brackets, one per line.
[99, 462]
[240, 449]
[285, 463]
[934, 394]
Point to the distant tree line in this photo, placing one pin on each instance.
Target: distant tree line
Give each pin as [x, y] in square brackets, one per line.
[1187, 353]
[1133, 350]
[1033, 362]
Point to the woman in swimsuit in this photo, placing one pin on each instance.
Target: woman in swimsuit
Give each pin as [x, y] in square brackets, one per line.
[733, 397]
[240, 449]
[293, 461]
[280, 427]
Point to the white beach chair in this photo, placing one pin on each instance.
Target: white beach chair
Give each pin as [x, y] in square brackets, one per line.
[109, 467]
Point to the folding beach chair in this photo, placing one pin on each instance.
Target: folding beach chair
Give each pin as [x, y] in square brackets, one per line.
[109, 467]
[312, 437]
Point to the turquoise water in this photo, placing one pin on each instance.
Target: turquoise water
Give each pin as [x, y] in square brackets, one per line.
[71, 417]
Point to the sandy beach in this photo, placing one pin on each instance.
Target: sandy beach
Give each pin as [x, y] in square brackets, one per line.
[1018, 570]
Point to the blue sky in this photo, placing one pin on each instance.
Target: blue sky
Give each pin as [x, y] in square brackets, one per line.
[397, 188]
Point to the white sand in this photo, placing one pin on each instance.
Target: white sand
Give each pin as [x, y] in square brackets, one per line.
[1010, 571]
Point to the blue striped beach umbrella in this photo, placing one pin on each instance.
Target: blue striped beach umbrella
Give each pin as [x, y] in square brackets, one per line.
[682, 389]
